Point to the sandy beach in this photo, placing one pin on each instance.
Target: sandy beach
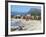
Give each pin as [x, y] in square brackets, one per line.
[29, 25]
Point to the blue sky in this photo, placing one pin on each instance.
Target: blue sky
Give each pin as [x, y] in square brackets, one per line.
[22, 9]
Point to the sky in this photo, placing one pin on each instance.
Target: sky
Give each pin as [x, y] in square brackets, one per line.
[22, 9]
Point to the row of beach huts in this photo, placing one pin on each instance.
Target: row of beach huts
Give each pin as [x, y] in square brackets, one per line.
[27, 17]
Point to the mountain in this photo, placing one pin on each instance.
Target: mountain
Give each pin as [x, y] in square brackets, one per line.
[32, 11]
[35, 11]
